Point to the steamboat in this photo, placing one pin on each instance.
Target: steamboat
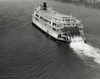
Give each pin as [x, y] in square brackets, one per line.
[60, 26]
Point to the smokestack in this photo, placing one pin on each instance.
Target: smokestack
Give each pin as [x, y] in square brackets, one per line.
[44, 6]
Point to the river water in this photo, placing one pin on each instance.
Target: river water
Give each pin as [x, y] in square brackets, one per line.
[27, 53]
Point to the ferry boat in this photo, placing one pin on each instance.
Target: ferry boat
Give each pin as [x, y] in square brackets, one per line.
[60, 26]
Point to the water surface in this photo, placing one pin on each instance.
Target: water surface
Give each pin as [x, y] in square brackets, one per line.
[28, 53]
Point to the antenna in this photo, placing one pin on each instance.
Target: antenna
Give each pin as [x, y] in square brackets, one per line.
[71, 14]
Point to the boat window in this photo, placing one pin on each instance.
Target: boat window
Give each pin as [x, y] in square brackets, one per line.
[68, 24]
[54, 29]
[49, 22]
[41, 17]
[80, 28]
[71, 19]
[54, 24]
[68, 19]
[77, 24]
[36, 19]
[37, 15]
[44, 19]
[74, 20]
[59, 36]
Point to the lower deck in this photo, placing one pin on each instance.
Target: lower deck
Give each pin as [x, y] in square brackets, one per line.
[48, 29]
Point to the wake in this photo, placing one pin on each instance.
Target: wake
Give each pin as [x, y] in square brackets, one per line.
[84, 50]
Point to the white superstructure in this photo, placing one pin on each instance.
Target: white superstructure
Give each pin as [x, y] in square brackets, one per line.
[60, 26]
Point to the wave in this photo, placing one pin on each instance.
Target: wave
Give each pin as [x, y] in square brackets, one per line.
[85, 50]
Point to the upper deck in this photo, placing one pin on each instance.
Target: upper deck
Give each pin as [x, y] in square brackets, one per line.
[60, 20]
[49, 11]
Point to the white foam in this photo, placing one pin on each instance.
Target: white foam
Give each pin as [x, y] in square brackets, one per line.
[82, 49]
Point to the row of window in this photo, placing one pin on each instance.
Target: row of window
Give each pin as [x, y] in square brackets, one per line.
[72, 24]
[54, 24]
[45, 20]
[68, 20]
[69, 24]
